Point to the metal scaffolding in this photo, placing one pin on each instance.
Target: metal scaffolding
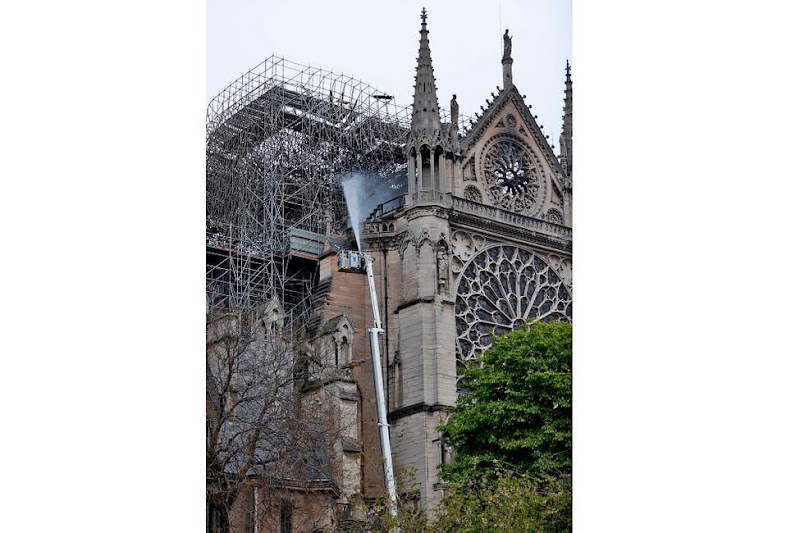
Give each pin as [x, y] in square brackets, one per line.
[278, 142]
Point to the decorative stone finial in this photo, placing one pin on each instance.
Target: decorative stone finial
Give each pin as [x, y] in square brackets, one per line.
[508, 81]
[506, 45]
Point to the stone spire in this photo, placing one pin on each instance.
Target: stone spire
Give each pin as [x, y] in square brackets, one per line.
[566, 132]
[426, 106]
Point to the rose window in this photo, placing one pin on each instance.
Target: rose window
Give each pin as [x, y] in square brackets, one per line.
[509, 170]
[501, 288]
[509, 174]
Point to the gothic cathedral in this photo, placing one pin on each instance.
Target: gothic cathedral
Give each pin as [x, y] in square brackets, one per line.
[481, 241]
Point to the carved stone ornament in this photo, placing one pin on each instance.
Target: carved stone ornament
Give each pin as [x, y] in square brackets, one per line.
[506, 45]
[498, 290]
[473, 194]
[563, 266]
[511, 121]
[469, 170]
[463, 247]
[554, 215]
[442, 267]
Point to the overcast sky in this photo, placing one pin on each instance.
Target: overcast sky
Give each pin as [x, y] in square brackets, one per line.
[377, 42]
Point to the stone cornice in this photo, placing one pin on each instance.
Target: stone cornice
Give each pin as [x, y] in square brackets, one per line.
[485, 218]
[515, 220]
[413, 302]
[517, 234]
[421, 407]
[379, 241]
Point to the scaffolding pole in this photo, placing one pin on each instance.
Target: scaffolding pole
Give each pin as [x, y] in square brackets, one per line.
[279, 140]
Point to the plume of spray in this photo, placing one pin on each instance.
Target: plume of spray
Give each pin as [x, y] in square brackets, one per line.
[363, 193]
[353, 187]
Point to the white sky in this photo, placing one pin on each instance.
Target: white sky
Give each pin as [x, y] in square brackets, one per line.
[377, 42]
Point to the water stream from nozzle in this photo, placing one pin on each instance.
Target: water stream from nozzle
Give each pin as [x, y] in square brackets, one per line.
[352, 186]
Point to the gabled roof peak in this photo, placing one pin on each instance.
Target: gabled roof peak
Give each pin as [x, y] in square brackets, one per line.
[488, 117]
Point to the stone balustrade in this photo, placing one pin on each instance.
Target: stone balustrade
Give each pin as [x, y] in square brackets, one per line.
[474, 208]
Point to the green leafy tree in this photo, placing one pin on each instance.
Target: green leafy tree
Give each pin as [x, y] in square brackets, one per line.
[517, 413]
[512, 434]
[507, 502]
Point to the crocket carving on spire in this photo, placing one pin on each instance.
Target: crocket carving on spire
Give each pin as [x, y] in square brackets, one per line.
[426, 106]
[566, 132]
[426, 141]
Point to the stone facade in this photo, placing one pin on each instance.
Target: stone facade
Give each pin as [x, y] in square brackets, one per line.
[482, 210]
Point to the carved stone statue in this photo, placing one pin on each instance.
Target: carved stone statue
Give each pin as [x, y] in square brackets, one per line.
[454, 112]
[506, 45]
[442, 269]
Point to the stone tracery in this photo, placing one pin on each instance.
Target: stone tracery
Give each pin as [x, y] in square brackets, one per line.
[511, 174]
[473, 194]
[499, 289]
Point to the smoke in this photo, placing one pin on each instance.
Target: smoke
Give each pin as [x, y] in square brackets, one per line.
[363, 193]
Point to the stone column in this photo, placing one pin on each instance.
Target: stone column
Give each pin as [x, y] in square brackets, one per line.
[433, 169]
[418, 171]
[507, 78]
[412, 175]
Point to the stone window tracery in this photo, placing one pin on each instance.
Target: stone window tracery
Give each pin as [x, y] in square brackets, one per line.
[512, 175]
[554, 215]
[499, 289]
[473, 194]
